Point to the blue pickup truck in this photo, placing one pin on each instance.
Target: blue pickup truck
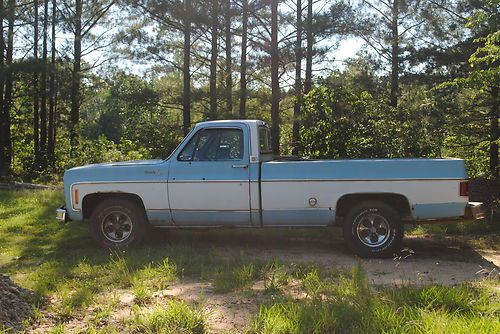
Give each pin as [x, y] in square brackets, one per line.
[224, 174]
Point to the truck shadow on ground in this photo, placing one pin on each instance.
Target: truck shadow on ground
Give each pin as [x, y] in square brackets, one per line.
[299, 240]
[423, 259]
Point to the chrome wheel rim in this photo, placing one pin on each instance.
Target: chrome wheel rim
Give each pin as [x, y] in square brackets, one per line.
[373, 229]
[116, 226]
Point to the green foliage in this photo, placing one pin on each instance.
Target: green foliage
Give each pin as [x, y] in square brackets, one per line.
[340, 123]
[104, 150]
[470, 102]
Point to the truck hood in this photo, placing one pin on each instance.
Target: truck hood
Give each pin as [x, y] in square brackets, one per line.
[129, 163]
[118, 171]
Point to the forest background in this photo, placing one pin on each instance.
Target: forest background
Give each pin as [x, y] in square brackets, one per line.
[93, 81]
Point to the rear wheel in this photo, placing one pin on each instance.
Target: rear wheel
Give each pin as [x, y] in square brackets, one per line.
[373, 229]
[118, 223]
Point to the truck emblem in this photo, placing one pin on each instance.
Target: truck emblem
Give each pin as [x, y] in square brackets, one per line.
[313, 201]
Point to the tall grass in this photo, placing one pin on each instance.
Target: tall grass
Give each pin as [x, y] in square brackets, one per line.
[175, 317]
[349, 305]
[275, 276]
[229, 278]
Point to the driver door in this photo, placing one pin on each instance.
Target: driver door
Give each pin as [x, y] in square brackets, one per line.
[209, 179]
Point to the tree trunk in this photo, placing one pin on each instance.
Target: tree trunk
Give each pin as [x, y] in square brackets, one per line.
[6, 148]
[76, 76]
[186, 71]
[298, 83]
[36, 116]
[395, 54]
[55, 117]
[213, 62]
[3, 159]
[52, 88]
[309, 47]
[243, 69]
[43, 88]
[494, 134]
[229, 77]
[275, 88]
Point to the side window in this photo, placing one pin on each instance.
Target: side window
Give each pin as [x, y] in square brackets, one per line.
[214, 145]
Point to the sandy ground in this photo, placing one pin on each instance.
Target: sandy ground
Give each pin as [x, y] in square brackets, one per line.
[425, 261]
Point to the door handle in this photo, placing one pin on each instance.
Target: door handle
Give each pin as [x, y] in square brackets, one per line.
[240, 166]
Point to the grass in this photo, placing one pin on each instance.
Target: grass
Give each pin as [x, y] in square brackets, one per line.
[276, 277]
[480, 234]
[489, 226]
[350, 305]
[231, 278]
[175, 317]
[74, 279]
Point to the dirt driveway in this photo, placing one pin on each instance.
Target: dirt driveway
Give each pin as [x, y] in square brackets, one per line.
[427, 260]
[447, 261]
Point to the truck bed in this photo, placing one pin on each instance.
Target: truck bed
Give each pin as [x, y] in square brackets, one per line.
[367, 169]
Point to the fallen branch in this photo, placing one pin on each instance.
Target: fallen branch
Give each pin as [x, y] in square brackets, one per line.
[22, 185]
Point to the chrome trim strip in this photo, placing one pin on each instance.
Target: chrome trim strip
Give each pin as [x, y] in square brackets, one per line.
[105, 182]
[207, 181]
[204, 227]
[298, 226]
[216, 226]
[210, 211]
[360, 180]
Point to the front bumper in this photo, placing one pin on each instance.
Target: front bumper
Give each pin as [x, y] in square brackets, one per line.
[62, 215]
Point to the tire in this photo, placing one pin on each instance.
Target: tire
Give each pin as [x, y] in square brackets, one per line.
[118, 223]
[373, 229]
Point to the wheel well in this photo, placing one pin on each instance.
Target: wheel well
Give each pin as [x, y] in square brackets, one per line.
[91, 201]
[397, 201]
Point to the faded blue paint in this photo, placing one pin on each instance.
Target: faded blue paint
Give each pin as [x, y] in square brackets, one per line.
[255, 218]
[254, 172]
[373, 169]
[73, 215]
[305, 217]
[438, 210]
[146, 171]
[160, 217]
[210, 218]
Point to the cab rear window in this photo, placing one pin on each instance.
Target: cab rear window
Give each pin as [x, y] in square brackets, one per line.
[264, 140]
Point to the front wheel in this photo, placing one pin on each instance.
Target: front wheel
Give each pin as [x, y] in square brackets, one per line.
[373, 229]
[118, 223]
